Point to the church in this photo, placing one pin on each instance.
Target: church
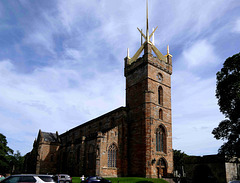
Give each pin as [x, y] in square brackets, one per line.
[135, 140]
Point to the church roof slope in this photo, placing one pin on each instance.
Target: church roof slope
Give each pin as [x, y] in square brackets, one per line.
[49, 137]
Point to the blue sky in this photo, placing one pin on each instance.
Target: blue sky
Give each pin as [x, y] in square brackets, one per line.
[62, 63]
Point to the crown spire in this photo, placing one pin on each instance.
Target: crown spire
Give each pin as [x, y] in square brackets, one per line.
[147, 38]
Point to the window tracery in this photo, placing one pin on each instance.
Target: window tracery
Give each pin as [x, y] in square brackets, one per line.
[160, 139]
[112, 156]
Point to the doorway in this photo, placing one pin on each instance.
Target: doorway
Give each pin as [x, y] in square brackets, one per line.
[161, 168]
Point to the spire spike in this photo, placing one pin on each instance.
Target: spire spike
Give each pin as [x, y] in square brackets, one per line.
[128, 53]
[141, 38]
[153, 37]
[147, 31]
[168, 54]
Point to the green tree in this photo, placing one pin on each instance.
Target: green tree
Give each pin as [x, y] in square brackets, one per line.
[5, 155]
[228, 95]
[17, 162]
[178, 159]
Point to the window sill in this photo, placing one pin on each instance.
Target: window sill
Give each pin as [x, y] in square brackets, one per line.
[110, 168]
[161, 153]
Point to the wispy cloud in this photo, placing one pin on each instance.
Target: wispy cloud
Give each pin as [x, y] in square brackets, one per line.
[200, 54]
[236, 27]
[54, 99]
[61, 63]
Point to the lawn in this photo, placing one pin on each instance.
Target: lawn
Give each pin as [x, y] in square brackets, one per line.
[127, 180]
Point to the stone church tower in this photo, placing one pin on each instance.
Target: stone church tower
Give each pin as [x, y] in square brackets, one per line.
[135, 140]
[148, 100]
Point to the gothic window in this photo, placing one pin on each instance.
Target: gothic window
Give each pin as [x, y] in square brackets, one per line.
[161, 139]
[161, 114]
[91, 157]
[52, 157]
[112, 156]
[78, 154]
[160, 95]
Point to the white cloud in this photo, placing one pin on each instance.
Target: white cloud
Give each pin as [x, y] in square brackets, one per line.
[186, 20]
[236, 27]
[195, 109]
[195, 113]
[201, 53]
[54, 99]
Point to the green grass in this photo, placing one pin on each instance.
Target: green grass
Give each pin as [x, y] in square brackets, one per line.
[76, 179]
[127, 180]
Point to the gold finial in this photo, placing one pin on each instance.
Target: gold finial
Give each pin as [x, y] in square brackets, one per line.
[168, 54]
[128, 53]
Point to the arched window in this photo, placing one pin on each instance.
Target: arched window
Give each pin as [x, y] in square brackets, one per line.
[161, 114]
[160, 95]
[161, 139]
[78, 154]
[52, 157]
[112, 156]
[91, 157]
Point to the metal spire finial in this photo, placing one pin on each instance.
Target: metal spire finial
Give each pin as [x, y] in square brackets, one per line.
[168, 53]
[147, 31]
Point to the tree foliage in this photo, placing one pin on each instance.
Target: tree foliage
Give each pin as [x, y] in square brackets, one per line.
[178, 159]
[9, 162]
[5, 154]
[228, 95]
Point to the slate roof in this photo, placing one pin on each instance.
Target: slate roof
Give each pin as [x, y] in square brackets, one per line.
[49, 137]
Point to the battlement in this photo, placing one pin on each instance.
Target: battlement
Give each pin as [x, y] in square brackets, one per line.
[162, 62]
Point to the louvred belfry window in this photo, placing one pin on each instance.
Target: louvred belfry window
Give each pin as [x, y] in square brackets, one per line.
[161, 114]
[112, 156]
[160, 95]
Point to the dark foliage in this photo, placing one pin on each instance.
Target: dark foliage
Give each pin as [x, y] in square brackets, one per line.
[5, 155]
[228, 95]
[9, 162]
[178, 159]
